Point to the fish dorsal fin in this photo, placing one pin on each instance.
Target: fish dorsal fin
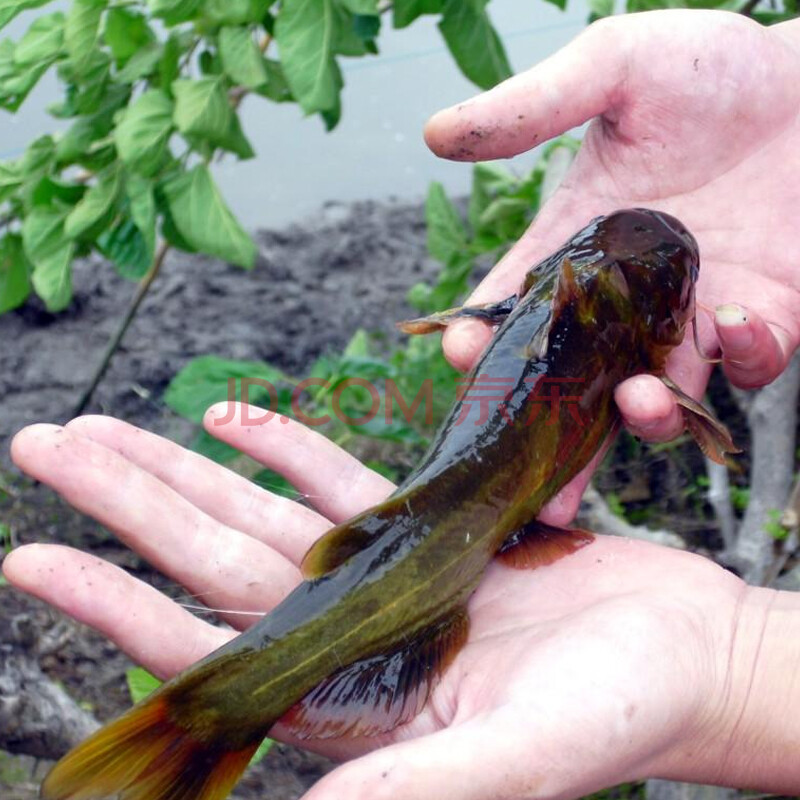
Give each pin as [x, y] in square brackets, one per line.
[376, 694]
[538, 544]
[332, 549]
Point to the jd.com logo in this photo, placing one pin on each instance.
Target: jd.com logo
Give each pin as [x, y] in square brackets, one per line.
[481, 398]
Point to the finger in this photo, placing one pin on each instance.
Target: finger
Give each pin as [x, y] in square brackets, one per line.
[231, 499]
[150, 628]
[649, 409]
[223, 566]
[572, 86]
[337, 484]
[754, 354]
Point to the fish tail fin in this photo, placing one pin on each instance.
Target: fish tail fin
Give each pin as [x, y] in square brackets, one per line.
[144, 755]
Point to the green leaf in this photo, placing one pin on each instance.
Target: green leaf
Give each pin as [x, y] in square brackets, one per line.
[96, 203]
[447, 236]
[141, 683]
[236, 12]
[203, 111]
[169, 65]
[202, 108]
[210, 379]
[76, 144]
[15, 271]
[93, 81]
[143, 210]
[306, 32]
[127, 249]
[38, 158]
[277, 87]
[50, 252]
[10, 8]
[141, 64]
[82, 31]
[10, 178]
[42, 42]
[601, 8]
[16, 82]
[474, 43]
[562, 4]
[126, 33]
[53, 194]
[367, 28]
[406, 11]
[346, 41]
[173, 12]
[241, 58]
[203, 219]
[361, 6]
[142, 137]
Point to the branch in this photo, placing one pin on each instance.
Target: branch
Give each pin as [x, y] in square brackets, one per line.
[719, 496]
[772, 417]
[37, 717]
[597, 516]
[116, 340]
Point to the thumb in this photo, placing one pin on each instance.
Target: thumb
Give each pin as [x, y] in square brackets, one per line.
[564, 91]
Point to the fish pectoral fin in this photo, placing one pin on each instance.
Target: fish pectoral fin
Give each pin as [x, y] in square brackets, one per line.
[713, 438]
[332, 549]
[376, 694]
[537, 544]
[493, 313]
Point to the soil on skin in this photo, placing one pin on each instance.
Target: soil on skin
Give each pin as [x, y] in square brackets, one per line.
[313, 286]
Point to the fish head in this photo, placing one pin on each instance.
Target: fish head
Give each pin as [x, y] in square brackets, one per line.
[653, 259]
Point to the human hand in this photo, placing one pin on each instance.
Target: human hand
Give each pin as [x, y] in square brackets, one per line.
[696, 113]
[621, 661]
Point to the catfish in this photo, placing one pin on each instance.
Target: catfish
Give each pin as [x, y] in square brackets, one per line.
[357, 647]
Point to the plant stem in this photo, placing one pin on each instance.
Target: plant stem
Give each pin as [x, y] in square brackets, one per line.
[116, 340]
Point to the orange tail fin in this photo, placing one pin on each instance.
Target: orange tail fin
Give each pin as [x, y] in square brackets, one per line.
[145, 756]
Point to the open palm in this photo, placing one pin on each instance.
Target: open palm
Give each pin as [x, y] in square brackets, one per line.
[696, 113]
[608, 652]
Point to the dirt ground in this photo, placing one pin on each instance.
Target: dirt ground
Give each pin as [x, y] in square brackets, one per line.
[314, 284]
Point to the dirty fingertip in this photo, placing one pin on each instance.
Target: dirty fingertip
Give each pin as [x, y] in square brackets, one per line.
[31, 436]
[734, 327]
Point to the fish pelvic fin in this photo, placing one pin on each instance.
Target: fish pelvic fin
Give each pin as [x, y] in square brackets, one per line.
[537, 544]
[376, 694]
[712, 437]
[143, 755]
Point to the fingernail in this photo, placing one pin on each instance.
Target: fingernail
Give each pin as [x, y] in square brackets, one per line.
[732, 320]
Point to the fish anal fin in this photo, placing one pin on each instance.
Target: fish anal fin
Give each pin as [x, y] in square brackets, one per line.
[145, 756]
[376, 694]
[712, 437]
[538, 544]
[493, 313]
